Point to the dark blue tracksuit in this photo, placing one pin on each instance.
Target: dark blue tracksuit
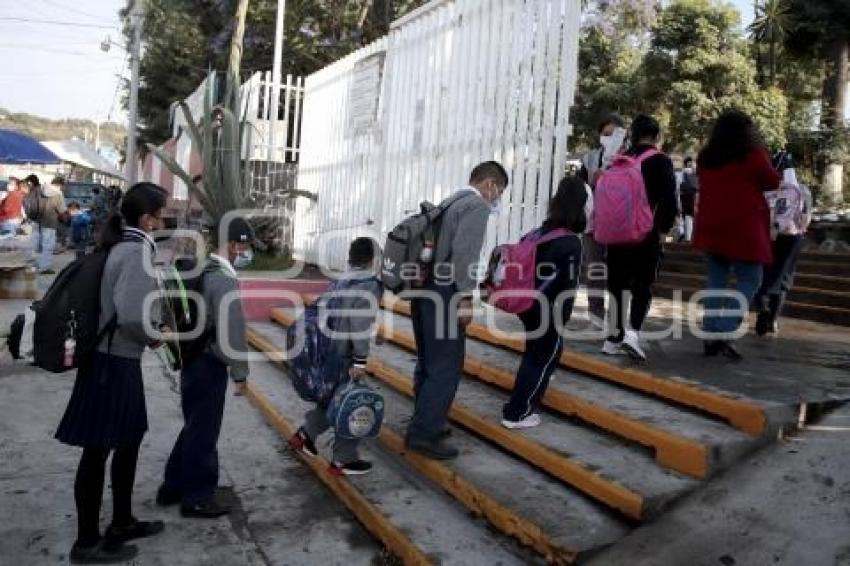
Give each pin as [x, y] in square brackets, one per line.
[558, 264]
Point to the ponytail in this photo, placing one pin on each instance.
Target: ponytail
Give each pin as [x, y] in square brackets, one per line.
[111, 232]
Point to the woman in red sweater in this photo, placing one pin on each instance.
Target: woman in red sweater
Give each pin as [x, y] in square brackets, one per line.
[733, 223]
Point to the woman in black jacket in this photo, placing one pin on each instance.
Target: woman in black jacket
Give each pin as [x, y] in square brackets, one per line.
[558, 265]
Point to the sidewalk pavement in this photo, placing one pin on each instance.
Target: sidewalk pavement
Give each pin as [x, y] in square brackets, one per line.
[786, 505]
[282, 514]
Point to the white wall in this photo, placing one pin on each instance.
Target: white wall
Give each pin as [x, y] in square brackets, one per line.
[406, 118]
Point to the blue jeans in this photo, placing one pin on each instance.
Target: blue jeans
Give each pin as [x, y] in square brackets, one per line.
[748, 275]
[44, 240]
[9, 227]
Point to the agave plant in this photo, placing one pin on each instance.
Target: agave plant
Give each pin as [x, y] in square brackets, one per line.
[218, 139]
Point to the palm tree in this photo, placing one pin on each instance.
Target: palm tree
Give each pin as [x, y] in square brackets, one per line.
[772, 23]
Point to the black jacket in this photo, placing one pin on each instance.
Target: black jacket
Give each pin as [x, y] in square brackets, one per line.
[558, 265]
[659, 176]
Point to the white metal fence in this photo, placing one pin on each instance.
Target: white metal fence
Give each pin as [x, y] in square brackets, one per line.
[406, 118]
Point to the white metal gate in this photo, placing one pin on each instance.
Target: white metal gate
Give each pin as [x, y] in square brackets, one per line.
[406, 118]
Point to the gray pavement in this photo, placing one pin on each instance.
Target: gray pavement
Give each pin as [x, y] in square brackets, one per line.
[283, 514]
[786, 505]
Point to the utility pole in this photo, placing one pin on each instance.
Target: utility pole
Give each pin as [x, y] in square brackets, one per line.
[277, 77]
[136, 17]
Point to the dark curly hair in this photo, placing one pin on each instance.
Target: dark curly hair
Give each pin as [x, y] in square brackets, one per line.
[733, 137]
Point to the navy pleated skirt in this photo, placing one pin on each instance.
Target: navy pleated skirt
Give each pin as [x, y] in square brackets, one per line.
[107, 407]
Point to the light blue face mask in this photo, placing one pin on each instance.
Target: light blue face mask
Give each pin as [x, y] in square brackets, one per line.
[244, 259]
[496, 207]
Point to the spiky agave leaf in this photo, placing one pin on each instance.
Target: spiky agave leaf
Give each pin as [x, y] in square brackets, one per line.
[175, 168]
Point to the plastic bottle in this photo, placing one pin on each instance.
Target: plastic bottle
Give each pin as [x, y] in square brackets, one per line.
[70, 348]
[427, 253]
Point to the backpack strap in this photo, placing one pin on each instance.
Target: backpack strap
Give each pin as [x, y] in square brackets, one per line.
[652, 152]
[554, 235]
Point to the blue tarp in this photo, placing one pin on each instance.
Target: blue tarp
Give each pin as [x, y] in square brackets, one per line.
[20, 149]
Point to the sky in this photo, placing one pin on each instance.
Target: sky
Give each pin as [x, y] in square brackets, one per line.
[60, 71]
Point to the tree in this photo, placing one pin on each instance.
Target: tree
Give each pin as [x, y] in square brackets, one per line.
[698, 66]
[614, 38]
[773, 22]
[822, 30]
[179, 49]
[184, 39]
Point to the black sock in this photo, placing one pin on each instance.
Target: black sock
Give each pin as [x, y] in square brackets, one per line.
[88, 495]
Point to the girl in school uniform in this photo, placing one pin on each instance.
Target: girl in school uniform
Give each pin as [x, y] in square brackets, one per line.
[106, 413]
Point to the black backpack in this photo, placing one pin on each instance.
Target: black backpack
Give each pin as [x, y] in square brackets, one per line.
[33, 206]
[71, 309]
[182, 305]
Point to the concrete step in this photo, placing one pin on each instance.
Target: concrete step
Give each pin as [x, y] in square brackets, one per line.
[810, 256]
[799, 294]
[420, 523]
[614, 472]
[839, 267]
[559, 523]
[807, 311]
[683, 440]
[801, 278]
[507, 334]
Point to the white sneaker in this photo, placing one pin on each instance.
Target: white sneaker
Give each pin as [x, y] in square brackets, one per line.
[631, 346]
[530, 421]
[611, 348]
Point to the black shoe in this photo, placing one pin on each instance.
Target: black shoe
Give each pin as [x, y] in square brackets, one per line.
[301, 442]
[166, 497]
[356, 468]
[711, 347]
[137, 529]
[101, 553]
[763, 324]
[730, 351]
[210, 510]
[47, 272]
[434, 449]
[445, 433]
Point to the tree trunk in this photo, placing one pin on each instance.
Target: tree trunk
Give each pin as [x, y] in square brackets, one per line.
[772, 58]
[235, 61]
[834, 114]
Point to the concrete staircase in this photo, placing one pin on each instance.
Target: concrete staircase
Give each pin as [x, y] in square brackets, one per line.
[821, 290]
[616, 448]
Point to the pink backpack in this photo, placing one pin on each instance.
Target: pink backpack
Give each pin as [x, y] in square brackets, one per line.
[621, 211]
[512, 270]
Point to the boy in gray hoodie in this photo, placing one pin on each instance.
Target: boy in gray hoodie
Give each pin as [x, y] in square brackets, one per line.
[362, 296]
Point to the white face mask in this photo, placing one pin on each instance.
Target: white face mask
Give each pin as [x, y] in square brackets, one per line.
[244, 259]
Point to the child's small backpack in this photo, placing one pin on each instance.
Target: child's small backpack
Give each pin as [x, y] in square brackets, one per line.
[319, 366]
[789, 208]
[621, 211]
[512, 271]
[356, 411]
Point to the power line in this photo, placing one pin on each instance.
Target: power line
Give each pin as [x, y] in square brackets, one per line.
[55, 23]
[71, 9]
[49, 50]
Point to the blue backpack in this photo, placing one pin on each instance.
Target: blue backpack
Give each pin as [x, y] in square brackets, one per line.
[356, 411]
[321, 365]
